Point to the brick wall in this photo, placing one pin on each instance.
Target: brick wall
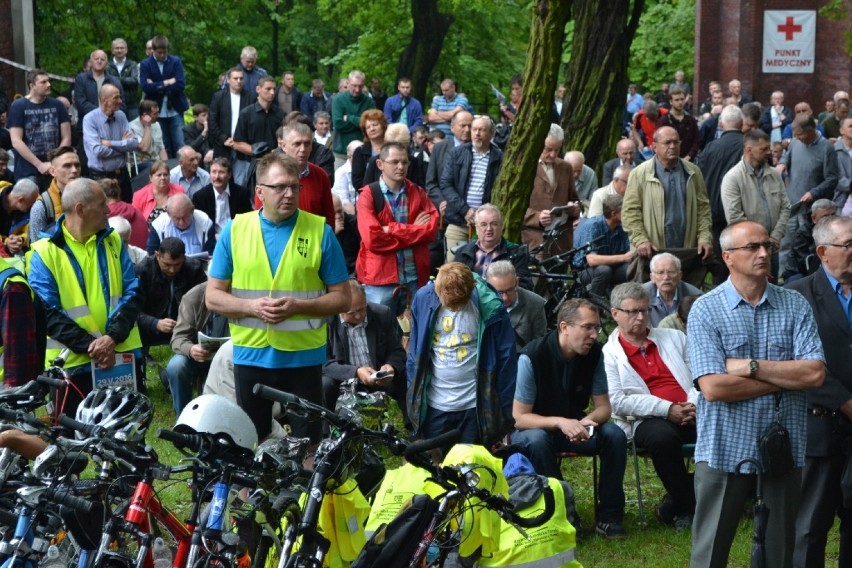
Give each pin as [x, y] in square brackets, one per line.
[7, 49]
[729, 45]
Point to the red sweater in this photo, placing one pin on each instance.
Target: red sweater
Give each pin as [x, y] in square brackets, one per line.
[315, 196]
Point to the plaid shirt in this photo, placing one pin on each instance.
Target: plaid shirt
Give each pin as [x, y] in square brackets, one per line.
[359, 352]
[722, 325]
[399, 209]
[17, 322]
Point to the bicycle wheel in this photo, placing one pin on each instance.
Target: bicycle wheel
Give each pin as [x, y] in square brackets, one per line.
[279, 532]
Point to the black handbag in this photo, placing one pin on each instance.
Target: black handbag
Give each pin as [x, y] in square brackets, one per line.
[776, 451]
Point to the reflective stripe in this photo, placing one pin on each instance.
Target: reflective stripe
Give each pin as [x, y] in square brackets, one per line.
[53, 344]
[254, 294]
[286, 325]
[78, 312]
[114, 300]
[552, 562]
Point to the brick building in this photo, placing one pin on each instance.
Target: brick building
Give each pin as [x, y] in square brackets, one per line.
[16, 42]
[729, 45]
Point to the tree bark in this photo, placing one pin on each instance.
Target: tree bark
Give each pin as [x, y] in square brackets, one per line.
[427, 39]
[520, 160]
[597, 76]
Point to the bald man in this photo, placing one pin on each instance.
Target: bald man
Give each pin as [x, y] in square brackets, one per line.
[107, 139]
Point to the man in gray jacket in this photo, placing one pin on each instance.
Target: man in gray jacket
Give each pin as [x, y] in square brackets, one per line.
[526, 309]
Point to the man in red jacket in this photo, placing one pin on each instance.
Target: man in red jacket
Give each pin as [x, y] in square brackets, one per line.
[395, 235]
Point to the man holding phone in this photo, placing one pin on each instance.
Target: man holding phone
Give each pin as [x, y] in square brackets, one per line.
[362, 343]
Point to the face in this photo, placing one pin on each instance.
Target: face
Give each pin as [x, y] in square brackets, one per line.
[181, 216]
[846, 130]
[189, 162]
[748, 124]
[219, 176]
[95, 213]
[65, 168]
[298, 146]
[448, 90]
[489, 229]
[776, 152]
[99, 61]
[560, 92]
[266, 91]
[355, 86]
[577, 337]
[480, 134]
[160, 179]
[322, 125]
[357, 310]
[678, 101]
[168, 265]
[460, 126]
[667, 145]
[507, 288]
[736, 88]
[236, 81]
[395, 167]
[717, 97]
[748, 263]
[666, 276]
[111, 102]
[419, 138]
[758, 154]
[279, 192]
[41, 86]
[119, 50]
[149, 48]
[338, 210]
[625, 151]
[550, 151]
[841, 112]
[632, 318]
[161, 54]
[837, 259]
[288, 81]
[516, 92]
[404, 88]
[201, 118]
[777, 99]
[23, 203]
[829, 106]
[373, 129]
[248, 62]
[317, 90]
[805, 135]
[679, 77]
[155, 113]
[619, 184]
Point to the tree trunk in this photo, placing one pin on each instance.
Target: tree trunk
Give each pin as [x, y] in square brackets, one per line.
[597, 76]
[520, 160]
[427, 39]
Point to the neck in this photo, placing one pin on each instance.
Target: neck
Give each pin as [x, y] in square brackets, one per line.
[107, 112]
[97, 73]
[73, 225]
[678, 113]
[233, 92]
[612, 223]
[488, 247]
[668, 296]
[394, 186]
[751, 288]
[264, 104]
[274, 217]
[847, 142]
[117, 60]
[667, 165]
[220, 189]
[637, 339]
[36, 98]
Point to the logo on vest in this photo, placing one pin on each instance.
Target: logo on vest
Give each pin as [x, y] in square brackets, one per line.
[302, 246]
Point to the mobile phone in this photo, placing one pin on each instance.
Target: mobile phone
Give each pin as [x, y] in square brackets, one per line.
[378, 375]
[590, 431]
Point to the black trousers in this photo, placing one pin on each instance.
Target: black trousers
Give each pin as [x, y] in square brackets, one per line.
[662, 440]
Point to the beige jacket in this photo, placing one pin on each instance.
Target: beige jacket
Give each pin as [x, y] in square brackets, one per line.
[742, 202]
[643, 214]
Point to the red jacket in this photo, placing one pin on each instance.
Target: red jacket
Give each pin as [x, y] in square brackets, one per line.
[376, 263]
[315, 195]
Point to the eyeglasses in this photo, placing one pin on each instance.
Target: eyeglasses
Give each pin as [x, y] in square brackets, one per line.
[770, 247]
[507, 291]
[395, 163]
[587, 327]
[632, 314]
[293, 188]
[669, 142]
[846, 246]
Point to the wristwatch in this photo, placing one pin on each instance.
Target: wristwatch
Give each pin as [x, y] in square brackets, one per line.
[752, 369]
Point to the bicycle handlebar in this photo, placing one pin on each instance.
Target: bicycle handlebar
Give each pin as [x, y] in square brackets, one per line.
[63, 497]
[102, 434]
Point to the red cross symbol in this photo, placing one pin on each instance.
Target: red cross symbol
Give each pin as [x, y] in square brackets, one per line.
[790, 28]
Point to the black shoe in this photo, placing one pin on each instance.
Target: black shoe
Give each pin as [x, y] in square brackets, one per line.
[610, 531]
[682, 523]
[164, 378]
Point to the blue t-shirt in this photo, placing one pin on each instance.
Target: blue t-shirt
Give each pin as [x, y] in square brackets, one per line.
[525, 387]
[275, 239]
[41, 124]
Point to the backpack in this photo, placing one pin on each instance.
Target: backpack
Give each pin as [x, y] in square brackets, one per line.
[394, 543]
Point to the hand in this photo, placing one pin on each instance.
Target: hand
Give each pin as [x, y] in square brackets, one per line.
[200, 354]
[208, 157]
[14, 244]
[442, 207]
[545, 218]
[628, 256]
[681, 413]
[469, 216]
[44, 168]
[166, 325]
[268, 310]
[705, 250]
[102, 352]
[423, 219]
[807, 197]
[363, 376]
[646, 249]
[128, 135]
[145, 120]
[229, 142]
[105, 142]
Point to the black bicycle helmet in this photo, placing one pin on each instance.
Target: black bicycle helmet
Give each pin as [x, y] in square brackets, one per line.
[125, 413]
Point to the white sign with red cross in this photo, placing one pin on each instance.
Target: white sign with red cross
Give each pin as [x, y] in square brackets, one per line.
[789, 37]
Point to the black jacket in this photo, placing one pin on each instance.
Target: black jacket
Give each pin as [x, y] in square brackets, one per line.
[129, 77]
[517, 254]
[717, 158]
[323, 157]
[154, 290]
[219, 120]
[382, 343]
[239, 201]
[455, 179]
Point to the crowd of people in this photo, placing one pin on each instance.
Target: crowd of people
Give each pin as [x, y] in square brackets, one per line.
[283, 233]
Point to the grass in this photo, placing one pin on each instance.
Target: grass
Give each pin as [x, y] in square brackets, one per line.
[651, 545]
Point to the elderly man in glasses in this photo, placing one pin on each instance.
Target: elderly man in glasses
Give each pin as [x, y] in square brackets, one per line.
[558, 375]
[666, 289]
[650, 379]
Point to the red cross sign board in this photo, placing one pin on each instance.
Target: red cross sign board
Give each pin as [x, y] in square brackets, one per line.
[789, 37]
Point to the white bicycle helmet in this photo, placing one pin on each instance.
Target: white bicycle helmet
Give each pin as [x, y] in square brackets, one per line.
[125, 413]
[215, 414]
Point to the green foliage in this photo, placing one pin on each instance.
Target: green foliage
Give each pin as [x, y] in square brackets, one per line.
[664, 43]
[840, 11]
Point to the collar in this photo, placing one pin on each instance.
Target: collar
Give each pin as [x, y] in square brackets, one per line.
[835, 283]
[304, 173]
[817, 140]
[226, 191]
[348, 325]
[386, 188]
[501, 247]
[733, 297]
[629, 349]
[289, 221]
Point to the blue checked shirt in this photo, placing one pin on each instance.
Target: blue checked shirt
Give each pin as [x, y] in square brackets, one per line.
[722, 325]
[406, 269]
[616, 241]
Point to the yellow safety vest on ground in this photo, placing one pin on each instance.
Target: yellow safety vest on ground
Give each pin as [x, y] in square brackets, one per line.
[297, 276]
[76, 304]
[552, 545]
[8, 274]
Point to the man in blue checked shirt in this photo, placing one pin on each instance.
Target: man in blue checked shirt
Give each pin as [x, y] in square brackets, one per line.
[107, 139]
[605, 265]
[752, 346]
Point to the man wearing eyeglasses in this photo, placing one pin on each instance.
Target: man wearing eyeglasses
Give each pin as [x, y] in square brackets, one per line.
[557, 376]
[754, 350]
[666, 208]
[625, 155]
[649, 378]
[396, 232]
[616, 186]
[526, 309]
[829, 406]
[276, 274]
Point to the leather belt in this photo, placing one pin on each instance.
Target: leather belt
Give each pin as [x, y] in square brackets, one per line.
[821, 412]
[116, 173]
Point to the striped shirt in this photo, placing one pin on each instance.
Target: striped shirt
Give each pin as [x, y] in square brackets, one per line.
[723, 325]
[478, 173]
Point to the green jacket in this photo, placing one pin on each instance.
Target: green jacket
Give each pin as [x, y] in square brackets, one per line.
[345, 131]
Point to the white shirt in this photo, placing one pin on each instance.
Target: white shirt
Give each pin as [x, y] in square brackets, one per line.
[223, 207]
[235, 111]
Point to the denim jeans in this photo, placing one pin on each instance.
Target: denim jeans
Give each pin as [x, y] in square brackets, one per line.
[384, 295]
[172, 134]
[182, 372]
